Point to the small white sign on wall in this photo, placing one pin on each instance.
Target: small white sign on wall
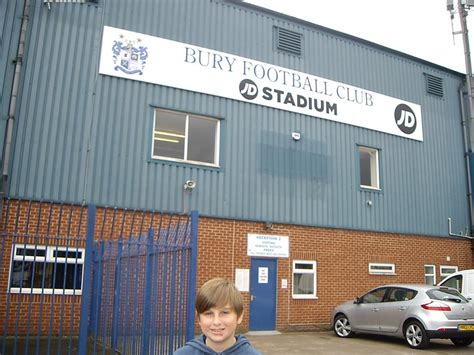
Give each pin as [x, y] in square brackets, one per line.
[262, 275]
[284, 283]
[242, 279]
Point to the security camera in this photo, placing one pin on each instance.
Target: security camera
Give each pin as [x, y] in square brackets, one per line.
[189, 185]
[296, 136]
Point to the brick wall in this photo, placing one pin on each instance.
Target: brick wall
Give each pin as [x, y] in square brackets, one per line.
[342, 258]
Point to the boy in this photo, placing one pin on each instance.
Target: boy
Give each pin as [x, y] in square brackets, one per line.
[219, 306]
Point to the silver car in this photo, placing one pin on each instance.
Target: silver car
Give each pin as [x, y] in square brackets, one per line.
[417, 313]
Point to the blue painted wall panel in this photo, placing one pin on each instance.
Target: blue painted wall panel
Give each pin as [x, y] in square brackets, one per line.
[82, 136]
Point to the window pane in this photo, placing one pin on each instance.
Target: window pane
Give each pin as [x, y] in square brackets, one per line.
[71, 255]
[303, 284]
[169, 135]
[304, 266]
[202, 139]
[28, 275]
[448, 270]
[429, 280]
[30, 252]
[429, 269]
[365, 176]
[375, 296]
[381, 267]
[21, 274]
[454, 282]
[368, 162]
[64, 278]
[446, 295]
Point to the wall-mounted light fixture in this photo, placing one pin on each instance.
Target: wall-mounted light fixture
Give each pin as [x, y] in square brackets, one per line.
[268, 225]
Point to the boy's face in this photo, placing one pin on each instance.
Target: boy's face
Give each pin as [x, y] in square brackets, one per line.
[218, 324]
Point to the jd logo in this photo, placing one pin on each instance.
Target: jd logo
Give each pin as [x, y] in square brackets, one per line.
[248, 89]
[405, 119]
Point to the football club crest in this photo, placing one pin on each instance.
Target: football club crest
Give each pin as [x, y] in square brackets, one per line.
[128, 57]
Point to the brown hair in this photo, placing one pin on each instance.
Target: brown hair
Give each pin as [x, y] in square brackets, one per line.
[219, 292]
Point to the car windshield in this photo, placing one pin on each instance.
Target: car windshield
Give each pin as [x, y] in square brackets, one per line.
[447, 295]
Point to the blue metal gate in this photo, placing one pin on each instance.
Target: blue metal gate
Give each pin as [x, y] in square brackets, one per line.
[87, 280]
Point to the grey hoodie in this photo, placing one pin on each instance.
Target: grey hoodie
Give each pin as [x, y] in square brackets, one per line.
[198, 346]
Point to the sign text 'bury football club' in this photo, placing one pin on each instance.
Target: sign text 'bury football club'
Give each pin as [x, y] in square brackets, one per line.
[160, 61]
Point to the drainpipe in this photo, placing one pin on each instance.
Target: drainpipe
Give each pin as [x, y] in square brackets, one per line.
[469, 139]
[466, 139]
[7, 145]
[462, 10]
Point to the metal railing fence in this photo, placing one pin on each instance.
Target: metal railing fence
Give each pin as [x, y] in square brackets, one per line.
[87, 280]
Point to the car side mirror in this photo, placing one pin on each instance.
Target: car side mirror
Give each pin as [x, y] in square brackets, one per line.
[357, 300]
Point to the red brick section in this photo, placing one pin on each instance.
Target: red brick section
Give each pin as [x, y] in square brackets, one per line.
[342, 258]
[52, 224]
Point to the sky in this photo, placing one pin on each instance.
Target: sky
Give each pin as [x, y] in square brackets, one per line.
[422, 28]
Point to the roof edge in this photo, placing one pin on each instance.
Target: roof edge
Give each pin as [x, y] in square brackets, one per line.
[274, 13]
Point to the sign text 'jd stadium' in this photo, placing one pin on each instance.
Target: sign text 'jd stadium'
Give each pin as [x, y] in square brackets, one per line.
[156, 60]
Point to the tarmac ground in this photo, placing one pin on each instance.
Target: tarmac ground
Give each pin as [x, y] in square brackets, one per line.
[326, 342]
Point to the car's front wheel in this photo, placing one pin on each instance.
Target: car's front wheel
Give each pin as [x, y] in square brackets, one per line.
[342, 326]
[416, 336]
[462, 341]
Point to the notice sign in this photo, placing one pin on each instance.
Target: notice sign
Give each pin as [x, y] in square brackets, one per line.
[275, 246]
[262, 275]
[137, 56]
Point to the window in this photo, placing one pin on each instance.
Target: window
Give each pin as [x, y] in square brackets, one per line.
[42, 269]
[184, 137]
[304, 279]
[454, 282]
[369, 168]
[446, 295]
[374, 296]
[381, 269]
[430, 275]
[445, 271]
[400, 295]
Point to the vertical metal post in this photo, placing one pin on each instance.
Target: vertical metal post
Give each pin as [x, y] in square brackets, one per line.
[115, 312]
[192, 275]
[86, 286]
[96, 296]
[174, 251]
[147, 296]
[463, 12]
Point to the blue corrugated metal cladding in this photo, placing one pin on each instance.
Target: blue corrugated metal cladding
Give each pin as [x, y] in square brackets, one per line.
[82, 136]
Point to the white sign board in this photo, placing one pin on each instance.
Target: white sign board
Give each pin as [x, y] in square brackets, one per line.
[275, 246]
[141, 57]
[262, 275]
[242, 279]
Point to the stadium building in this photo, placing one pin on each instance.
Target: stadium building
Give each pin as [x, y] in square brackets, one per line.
[320, 164]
